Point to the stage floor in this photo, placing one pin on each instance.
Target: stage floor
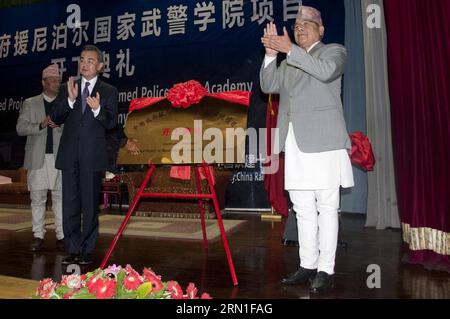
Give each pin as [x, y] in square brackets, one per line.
[259, 258]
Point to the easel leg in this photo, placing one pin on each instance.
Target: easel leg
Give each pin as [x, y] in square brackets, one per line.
[200, 207]
[220, 222]
[127, 217]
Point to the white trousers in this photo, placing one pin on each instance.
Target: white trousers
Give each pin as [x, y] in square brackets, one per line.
[38, 205]
[318, 224]
[40, 181]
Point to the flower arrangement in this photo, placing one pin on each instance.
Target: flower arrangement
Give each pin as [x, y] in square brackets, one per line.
[185, 94]
[115, 282]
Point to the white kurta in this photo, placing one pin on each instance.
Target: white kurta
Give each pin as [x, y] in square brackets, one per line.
[315, 171]
[47, 177]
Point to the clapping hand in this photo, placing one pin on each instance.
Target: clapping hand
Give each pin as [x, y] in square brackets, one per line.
[269, 30]
[47, 121]
[93, 102]
[72, 89]
[51, 123]
[275, 43]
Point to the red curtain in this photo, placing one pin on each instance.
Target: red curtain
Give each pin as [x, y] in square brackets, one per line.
[274, 183]
[419, 75]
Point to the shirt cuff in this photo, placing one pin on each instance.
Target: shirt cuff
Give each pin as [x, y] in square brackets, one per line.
[97, 111]
[268, 60]
[71, 104]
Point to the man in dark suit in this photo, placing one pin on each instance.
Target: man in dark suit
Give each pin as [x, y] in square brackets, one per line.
[88, 108]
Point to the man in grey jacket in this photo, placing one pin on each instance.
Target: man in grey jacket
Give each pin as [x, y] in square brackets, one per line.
[40, 151]
[313, 134]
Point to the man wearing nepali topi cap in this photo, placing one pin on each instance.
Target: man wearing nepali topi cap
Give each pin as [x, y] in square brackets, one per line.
[43, 137]
[312, 133]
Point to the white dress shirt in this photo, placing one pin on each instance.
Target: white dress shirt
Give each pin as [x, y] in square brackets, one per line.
[92, 83]
[48, 98]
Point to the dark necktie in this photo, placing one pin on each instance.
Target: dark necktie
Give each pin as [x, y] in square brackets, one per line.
[84, 96]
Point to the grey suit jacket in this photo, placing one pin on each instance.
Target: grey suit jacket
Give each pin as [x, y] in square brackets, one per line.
[31, 115]
[309, 85]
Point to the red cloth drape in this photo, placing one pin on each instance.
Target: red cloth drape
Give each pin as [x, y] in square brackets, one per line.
[274, 183]
[419, 75]
[238, 97]
[183, 172]
[362, 153]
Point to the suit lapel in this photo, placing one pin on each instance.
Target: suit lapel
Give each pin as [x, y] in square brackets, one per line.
[97, 87]
[40, 111]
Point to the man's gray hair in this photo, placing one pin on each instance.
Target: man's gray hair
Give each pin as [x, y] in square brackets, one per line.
[91, 47]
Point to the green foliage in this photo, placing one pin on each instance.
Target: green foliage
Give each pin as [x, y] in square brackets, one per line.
[83, 294]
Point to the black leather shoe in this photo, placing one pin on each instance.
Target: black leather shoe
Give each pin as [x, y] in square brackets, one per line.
[322, 283]
[37, 244]
[60, 245]
[301, 276]
[289, 243]
[70, 259]
[86, 259]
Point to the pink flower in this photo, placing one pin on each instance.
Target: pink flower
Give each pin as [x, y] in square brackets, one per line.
[191, 291]
[46, 288]
[205, 296]
[71, 281]
[174, 289]
[103, 289]
[150, 276]
[185, 94]
[113, 270]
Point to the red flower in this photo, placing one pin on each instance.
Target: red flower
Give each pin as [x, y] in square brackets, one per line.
[100, 286]
[68, 295]
[150, 276]
[175, 290]
[92, 281]
[103, 289]
[191, 291]
[185, 94]
[46, 288]
[129, 269]
[132, 281]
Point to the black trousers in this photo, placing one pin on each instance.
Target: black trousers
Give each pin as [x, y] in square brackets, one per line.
[290, 229]
[81, 196]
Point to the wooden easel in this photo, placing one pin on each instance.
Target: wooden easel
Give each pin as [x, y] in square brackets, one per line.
[198, 195]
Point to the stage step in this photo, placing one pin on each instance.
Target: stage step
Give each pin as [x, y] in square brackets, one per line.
[17, 288]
